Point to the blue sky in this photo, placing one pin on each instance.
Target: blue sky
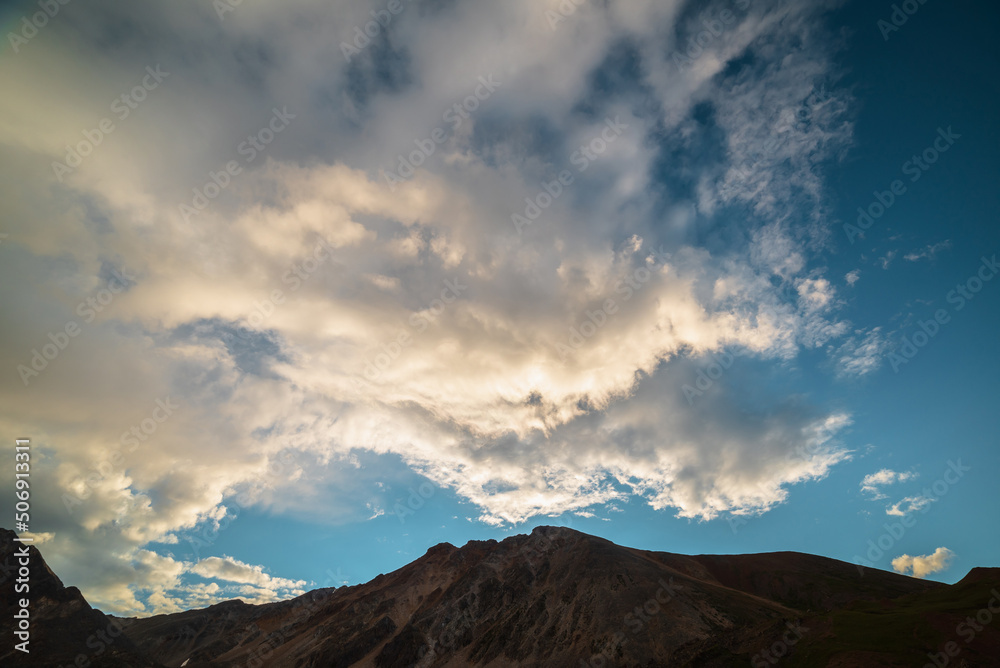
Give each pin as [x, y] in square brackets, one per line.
[683, 346]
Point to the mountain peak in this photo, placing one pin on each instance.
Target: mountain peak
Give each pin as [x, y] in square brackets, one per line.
[441, 548]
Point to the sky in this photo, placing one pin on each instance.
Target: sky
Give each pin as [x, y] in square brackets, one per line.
[293, 291]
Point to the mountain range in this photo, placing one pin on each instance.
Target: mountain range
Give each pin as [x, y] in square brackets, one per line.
[556, 597]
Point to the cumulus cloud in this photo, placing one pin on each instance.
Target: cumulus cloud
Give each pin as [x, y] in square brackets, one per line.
[233, 570]
[874, 482]
[308, 312]
[922, 566]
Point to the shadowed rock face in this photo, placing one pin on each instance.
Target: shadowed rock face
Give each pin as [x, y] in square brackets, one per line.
[562, 598]
[63, 625]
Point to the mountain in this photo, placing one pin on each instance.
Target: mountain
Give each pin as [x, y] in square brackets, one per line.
[558, 597]
[63, 627]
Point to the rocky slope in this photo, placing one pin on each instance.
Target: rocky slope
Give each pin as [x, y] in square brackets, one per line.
[63, 629]
[558, 597]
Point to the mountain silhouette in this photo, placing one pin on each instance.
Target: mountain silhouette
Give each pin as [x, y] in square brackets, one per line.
[556, 597]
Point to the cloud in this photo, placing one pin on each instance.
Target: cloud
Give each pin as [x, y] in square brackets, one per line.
[853, 277]
[38, 538]
[925, 565]
[912, 503]
[233, 570]
[859, 357]
[929, 252]
[376, 511]
[307, 313]
[873, 482]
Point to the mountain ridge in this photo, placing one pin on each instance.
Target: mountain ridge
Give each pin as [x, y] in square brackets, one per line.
[558, 597]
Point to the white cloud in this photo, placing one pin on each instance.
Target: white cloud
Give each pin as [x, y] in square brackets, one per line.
[887, 259]
[276, 394]
[912, 504]
[233, 570]
[861, 357]
[853, 277]
[929, 252]
[873, 482]
[925, 565]
[375, 510]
